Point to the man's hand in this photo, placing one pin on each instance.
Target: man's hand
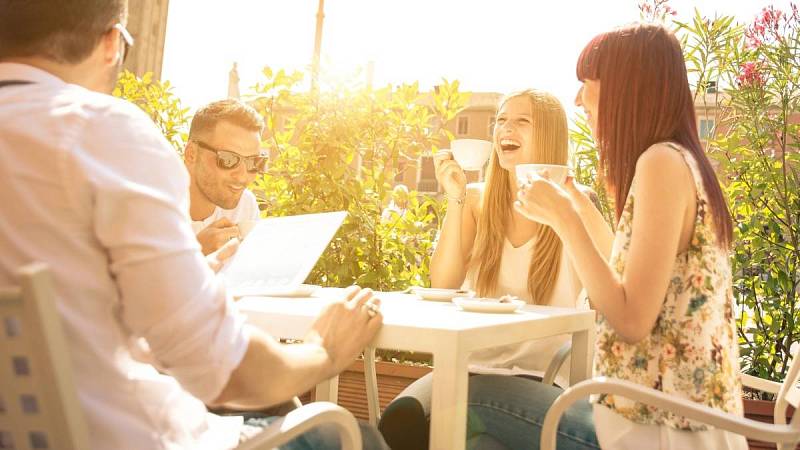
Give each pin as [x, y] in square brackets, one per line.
[345, 327]
[217, 259]
[342, 330]
[214, 236]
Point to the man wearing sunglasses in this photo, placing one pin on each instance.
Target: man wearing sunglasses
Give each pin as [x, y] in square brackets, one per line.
[92, 189]
[223, 156]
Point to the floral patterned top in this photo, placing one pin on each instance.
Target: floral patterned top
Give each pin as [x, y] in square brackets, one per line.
[693, 350]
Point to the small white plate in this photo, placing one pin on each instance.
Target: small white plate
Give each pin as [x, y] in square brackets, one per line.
[487, 305]
[440, 295]
[301, 291]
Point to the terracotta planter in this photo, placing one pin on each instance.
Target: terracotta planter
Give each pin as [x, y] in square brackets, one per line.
[762, 411]
[392, 379]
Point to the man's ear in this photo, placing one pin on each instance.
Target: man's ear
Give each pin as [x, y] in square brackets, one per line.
[189, 153]
[111, 43]
[189, 157]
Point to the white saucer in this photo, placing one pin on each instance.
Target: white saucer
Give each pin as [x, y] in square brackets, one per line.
[484, 306]
[440, 295]
[301, 291]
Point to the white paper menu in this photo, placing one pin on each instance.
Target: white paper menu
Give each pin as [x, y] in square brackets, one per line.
[279, 253]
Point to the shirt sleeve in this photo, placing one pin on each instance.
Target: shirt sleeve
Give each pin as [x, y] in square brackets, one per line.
[167, 293]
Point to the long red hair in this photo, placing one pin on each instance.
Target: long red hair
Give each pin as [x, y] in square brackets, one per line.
[645, 99]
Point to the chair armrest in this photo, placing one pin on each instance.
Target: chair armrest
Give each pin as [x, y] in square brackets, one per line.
[302, 420]
[760, 384]
[556, 362]
[691, 410]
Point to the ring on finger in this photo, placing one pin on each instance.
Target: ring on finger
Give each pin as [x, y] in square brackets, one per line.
[372, 309]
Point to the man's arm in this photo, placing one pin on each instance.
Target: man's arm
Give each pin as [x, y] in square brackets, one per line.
[271, 373]
[169, 296]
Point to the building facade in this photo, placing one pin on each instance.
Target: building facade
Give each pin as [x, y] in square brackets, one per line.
[475, 121]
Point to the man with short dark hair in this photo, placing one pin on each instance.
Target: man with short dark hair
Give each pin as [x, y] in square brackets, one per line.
[223, 156]
[93, 189]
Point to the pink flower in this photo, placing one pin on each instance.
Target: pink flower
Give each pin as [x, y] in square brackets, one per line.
[753, 41]
[750, 75]
[771, 17]
[655, 9]
[668, 351]
[767, 26]
[616, 348]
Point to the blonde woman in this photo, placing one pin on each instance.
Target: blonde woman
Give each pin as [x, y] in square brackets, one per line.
[487, 246]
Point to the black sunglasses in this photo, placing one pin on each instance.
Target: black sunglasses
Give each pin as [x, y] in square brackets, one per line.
[127, 40]
[228, 160]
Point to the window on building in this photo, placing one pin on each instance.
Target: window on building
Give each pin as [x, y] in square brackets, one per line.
[706, 128]
[427, 175]
[463, 126]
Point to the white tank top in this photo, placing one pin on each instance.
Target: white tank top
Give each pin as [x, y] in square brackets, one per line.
[531, 357]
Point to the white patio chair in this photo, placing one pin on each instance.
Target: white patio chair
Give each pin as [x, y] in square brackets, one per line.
[556, 362]
[786, 436]
[39, 406]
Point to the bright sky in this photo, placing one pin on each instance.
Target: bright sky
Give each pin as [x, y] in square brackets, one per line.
[496, 46]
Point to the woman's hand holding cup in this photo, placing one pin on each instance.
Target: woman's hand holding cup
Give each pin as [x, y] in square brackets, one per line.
[450, 175]
[541, 200]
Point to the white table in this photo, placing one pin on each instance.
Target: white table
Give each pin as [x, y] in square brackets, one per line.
[441, 329]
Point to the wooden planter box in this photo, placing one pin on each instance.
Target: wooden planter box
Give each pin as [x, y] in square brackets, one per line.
[392, 379]
[761, 410]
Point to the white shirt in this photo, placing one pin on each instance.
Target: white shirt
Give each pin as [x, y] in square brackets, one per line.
[91, 188]
[245, 210]
[530, 357]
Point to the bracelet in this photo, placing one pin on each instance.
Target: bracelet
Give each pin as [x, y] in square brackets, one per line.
[459, 201]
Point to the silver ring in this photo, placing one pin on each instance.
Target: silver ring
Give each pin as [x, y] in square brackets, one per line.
[372, 309]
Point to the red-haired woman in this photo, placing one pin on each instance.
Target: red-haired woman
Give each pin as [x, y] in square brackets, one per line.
[664, 296]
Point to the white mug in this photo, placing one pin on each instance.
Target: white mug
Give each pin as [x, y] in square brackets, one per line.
[471, 154]
[557, 172]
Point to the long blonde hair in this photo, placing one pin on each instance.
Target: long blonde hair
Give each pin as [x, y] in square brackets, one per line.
[550, 146]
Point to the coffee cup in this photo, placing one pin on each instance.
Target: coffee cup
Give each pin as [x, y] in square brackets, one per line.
[471, 154]
[557, 172]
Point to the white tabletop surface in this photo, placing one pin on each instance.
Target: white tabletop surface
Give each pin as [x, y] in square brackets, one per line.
[440, 328]
[406, 313]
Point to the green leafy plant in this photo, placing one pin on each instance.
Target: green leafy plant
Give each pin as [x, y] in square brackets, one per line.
[585, 165]
[341, 150]
[158, 101]
[756, 145]
[746, 81]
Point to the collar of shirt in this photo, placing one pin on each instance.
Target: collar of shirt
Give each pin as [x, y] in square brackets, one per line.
[25, 72]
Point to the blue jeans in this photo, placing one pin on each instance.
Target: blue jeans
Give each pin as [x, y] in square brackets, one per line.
[322, 437]
[504, 412]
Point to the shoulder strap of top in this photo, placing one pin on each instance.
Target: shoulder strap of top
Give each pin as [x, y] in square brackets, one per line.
[692, 163]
